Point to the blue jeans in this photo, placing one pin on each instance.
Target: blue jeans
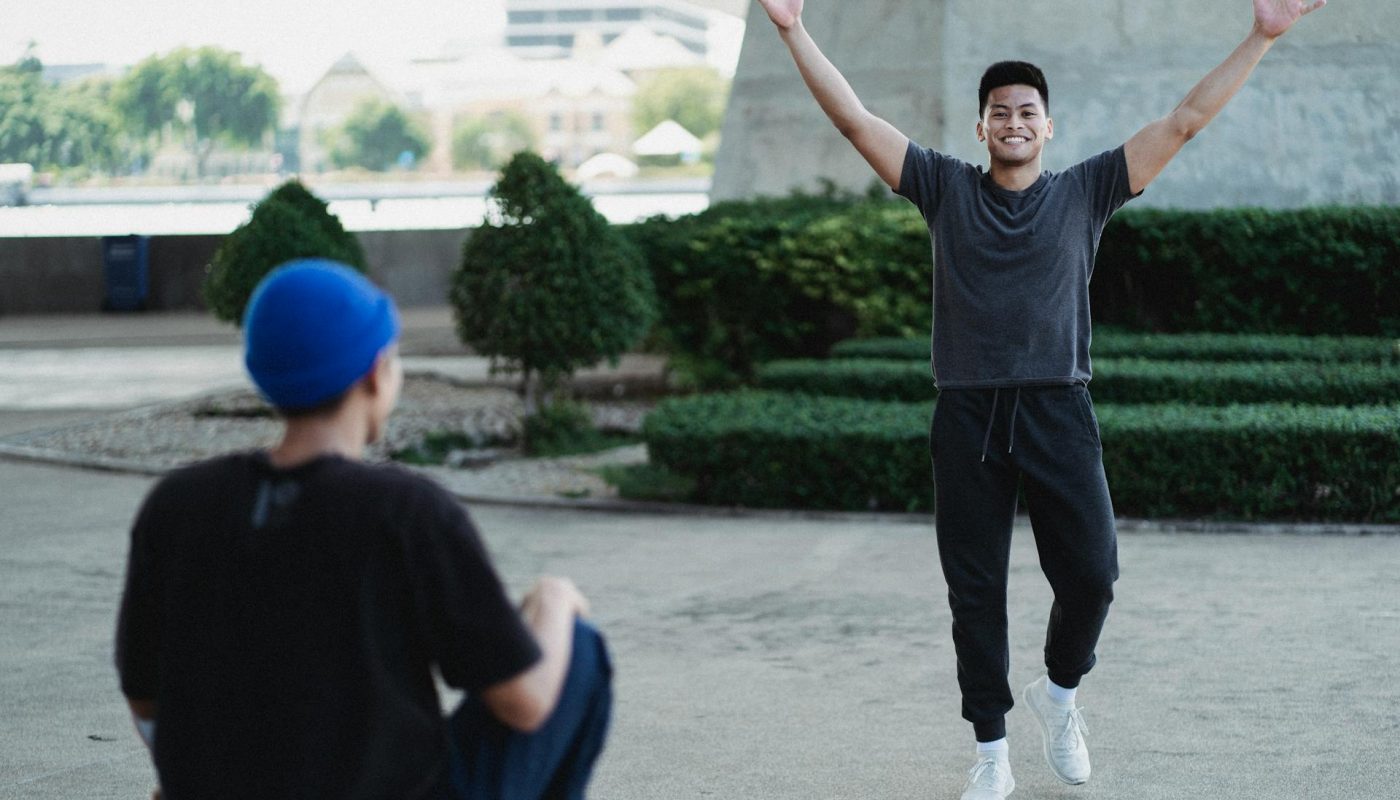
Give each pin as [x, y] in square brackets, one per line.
[490, 761]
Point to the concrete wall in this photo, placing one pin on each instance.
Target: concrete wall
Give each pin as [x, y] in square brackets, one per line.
[1316, 124]
[64, 274]
[775, 138]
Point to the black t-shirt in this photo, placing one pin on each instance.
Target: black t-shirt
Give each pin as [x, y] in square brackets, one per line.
[287, 622]
[1011, 269]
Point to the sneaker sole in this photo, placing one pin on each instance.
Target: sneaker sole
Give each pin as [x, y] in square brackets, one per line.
[1010, 788]
[1045, 740]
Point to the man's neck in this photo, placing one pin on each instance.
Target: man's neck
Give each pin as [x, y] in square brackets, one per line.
[307, 439]
[1015, 177]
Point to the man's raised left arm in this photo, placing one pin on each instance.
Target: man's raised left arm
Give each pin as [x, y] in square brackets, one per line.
[1151, 148]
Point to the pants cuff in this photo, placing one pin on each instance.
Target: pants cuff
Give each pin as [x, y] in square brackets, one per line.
[990, 730]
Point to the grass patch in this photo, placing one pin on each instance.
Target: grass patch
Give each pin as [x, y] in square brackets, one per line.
[648, 482]
[435, 448]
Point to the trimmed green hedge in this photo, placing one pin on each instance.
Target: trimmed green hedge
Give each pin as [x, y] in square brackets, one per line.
[1115, 381]
[1254, 462]
[1310, 271]
[768, 449]
[868, 379]
[773, 450]
[1109, 343]
[746, 282]
[1219, 384]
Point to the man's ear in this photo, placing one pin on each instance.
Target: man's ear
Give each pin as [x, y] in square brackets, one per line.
[1049, 127]
[981, 134]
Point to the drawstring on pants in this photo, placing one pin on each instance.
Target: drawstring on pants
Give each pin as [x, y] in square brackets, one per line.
[1011, 431]
[991, 418]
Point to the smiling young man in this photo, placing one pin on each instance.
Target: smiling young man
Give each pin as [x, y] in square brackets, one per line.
[1013, 253]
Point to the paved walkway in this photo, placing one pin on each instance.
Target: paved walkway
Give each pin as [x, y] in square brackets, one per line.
[799, 658]
[804, 659]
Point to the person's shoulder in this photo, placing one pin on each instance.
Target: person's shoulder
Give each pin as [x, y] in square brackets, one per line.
[393, 484]
[936, 159]
[1095, 162]
[199, 474]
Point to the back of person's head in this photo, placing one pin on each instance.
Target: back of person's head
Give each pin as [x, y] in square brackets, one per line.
[312, 330]
[1011, 73]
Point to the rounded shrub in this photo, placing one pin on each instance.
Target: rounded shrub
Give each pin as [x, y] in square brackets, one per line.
[546, 285]
[289, 223]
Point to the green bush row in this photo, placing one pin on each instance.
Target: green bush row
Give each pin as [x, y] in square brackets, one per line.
[1309, 271]
[769, 449]
[1111, 343]
[775, 450]
[746, 282]
[1116, 381]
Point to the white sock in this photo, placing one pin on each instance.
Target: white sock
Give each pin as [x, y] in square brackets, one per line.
[1000, 747]
[1059, 694]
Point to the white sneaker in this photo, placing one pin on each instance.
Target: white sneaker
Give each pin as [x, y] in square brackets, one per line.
[990, 778]
[1062, 729]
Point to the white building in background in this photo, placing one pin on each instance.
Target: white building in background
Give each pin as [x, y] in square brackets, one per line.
[552, 28]
[578, 104]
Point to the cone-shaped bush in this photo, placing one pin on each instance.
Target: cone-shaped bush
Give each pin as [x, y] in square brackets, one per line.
[289, 223]
[546, 284]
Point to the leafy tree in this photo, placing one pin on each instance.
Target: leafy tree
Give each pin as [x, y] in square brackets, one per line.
[295, 193]
[695, 97]
[289, 223]
[56, 127]
[208, 95]
[376, 135]
[487, 142]
[546, 284]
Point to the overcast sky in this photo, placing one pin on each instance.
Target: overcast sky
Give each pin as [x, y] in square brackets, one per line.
[295, 40]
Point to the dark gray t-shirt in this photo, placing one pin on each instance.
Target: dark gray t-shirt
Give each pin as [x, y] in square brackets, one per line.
[1011, 269]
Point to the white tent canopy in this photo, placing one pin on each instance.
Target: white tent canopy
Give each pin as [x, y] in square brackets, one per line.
[667, 139]
[609, 164]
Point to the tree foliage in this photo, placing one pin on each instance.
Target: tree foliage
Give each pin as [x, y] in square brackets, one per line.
[547, 285]
[289, 223]
[695, 97]
[57, 127]
[208, 96]
[376, 135]
[489, 141]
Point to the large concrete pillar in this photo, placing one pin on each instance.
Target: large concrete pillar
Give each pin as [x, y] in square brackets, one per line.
[1317, 123]
[775, 139]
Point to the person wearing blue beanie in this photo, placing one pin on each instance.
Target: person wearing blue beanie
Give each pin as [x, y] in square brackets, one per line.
[313, 328]
[285, 610]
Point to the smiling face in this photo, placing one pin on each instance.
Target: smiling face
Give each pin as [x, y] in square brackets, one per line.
[1015, 125]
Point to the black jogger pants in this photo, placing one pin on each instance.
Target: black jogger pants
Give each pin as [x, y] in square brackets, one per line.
[984, 443]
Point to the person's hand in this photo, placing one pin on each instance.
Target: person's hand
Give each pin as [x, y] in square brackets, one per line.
[550, 592]
[1273, 18]
[783, 12]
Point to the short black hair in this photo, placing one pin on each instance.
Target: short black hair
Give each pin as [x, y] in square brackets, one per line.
[1010, 73]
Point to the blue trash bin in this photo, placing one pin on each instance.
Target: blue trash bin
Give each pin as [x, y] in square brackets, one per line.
[125, 270]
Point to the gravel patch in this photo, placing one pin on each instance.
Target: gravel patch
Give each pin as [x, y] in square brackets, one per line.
[171, 435]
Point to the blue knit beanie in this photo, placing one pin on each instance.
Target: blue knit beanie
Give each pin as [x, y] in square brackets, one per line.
[312, 329]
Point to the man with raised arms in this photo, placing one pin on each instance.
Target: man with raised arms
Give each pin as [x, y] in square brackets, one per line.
[1013, 253]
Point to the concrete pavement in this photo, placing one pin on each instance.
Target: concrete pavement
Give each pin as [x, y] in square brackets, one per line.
[757, 657]
[802, 659]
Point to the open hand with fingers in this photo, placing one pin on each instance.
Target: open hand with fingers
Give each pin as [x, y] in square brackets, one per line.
[1273, 18]
[784, 13]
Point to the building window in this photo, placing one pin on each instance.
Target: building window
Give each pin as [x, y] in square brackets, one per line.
[525, 17]
[575, 15]
[622, 14]
[600, 122]
[556, 121]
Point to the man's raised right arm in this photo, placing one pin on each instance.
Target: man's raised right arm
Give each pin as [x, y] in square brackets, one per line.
[879, 142]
